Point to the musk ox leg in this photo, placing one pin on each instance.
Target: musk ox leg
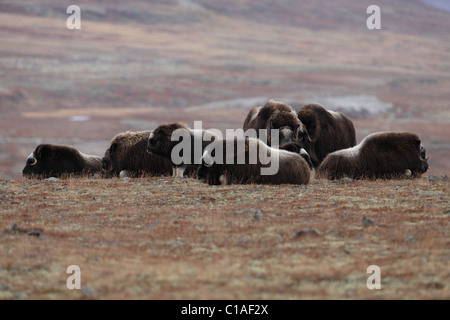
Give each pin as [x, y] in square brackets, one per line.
[223, 180]
[178, 172]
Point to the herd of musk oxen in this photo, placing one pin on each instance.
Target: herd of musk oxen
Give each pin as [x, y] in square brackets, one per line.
[313, 143]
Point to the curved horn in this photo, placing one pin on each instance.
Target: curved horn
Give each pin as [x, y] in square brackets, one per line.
[424, 160]
[311, 140]
[208, 165]
[34, 163]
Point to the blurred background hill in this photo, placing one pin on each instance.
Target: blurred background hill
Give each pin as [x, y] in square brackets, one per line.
[136, 64]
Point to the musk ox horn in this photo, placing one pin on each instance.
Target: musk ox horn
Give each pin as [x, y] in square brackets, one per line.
[311, 140]
[424, 160]
[208, 165]
[34, 162]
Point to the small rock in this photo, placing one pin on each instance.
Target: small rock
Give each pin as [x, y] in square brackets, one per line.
[428, 193]
[60, 188]
[307, 231]
[35, 233]
[366, 222]
[88, 292]
[437, 178]
[96, 176]
[258, 215]
[14, 228]
[245, 211]
[409, 239]
[52, 179]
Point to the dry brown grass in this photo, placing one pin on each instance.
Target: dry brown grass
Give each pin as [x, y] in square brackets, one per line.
[164, 238]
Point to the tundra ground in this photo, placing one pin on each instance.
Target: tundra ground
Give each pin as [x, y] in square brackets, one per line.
[165, 238]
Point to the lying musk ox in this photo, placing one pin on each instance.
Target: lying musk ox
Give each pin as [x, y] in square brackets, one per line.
[292, 167]
[127, 156]
[275, 115]
[160, 143]
[381, 155]
[49, 160]
[326, 131]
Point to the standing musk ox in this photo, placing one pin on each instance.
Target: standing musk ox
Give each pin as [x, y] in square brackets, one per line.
[382, 155]
[127, 156]
[275, 115]
[160, 143]
[326, 131]
[49, 160]
[292, 167]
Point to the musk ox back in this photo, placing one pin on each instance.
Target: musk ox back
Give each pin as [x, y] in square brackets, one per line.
[326, 131]
[383, 155]
[275, 115]
[127, 156]
[49, 160]
[239, 168]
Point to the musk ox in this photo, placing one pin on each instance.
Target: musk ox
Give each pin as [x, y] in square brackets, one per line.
[127, 156]
[326, 131]
[160, 143]
[382, 155]
[275, 115]
[237, 167]
[49, 160]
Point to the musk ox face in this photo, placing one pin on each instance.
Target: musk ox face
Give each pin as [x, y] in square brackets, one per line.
[326, 131]
[423, 166]
[159, 141]
[279, 116]
[108, 161]
[49, 160]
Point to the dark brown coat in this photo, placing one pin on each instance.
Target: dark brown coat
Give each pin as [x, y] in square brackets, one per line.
[160, 143]
[49, 160]
[275, 115]
[382, 155]
[327, 131]
[293, 169]
[127, 154]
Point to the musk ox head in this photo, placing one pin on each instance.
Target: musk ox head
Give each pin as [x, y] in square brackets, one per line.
[275, 115]
[49, 160]
[159, 141]
[423, 167]
[325, 131]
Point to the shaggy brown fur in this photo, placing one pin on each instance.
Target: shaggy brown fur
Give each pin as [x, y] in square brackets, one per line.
[383, 155]
[326, 131]
[49, 160]
[275, 115]
[160, 143]
[127, 152]
[293, 169]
